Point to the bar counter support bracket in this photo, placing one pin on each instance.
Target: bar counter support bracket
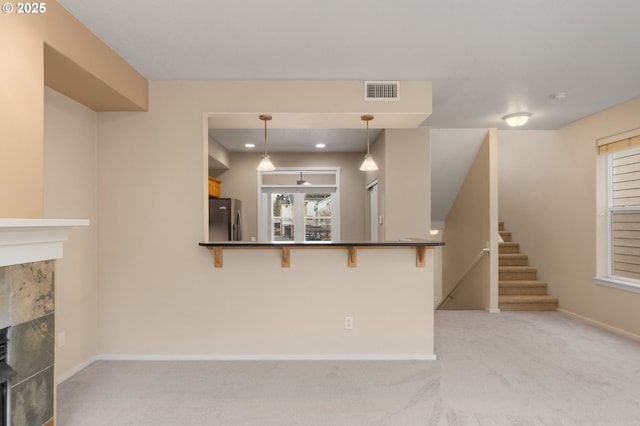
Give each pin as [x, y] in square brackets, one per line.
[217, 257]
[352, 254]
[352, 261]
[286, 257]
[421, 253]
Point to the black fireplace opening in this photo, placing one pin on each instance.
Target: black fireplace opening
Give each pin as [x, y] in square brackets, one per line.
[6, 373]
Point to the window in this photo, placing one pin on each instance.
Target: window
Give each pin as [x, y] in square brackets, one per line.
[618, 235]
[624, 214]
[299, 205]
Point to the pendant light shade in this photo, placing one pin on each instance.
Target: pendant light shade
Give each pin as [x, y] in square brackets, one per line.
[368, 165]
[265, 164]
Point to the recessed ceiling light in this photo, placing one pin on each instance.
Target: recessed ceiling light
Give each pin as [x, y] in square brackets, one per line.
[249, 145]
[320, 145]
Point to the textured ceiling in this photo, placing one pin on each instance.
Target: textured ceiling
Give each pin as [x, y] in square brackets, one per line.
[485, 58]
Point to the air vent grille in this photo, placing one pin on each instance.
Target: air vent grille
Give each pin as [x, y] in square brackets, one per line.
[381, 90]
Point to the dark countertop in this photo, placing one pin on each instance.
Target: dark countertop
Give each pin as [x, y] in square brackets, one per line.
[403, 242]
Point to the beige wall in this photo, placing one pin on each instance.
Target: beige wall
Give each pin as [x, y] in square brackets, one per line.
[154, 279]
[471, 225]
[378, 153]
[70, 191]
[403, 157]
[241, 182]
[407, 179]
[219, 158]
[548, 200]
[253, 307]
[77, 64]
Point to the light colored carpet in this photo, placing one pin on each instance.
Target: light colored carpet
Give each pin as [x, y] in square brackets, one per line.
[513, 368]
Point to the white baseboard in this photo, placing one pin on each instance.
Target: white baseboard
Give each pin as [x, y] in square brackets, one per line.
[601, 325]
[68, 374]
[271, 357]
[365, 357]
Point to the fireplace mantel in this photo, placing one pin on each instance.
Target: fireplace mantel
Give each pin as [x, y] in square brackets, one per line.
[34, 240]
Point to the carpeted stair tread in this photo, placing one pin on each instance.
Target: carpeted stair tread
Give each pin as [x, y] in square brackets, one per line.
[513, 259]
[522, 283]
[528, 299]
[522, 287]
[517, 272]
[509, 247]
[519, 287]
[527, 303]
[517, 268]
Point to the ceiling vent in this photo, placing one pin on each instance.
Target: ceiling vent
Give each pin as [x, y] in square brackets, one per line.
[381, 90]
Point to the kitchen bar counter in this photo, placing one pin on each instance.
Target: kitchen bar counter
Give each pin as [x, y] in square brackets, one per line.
[420, 246]
[314, 300]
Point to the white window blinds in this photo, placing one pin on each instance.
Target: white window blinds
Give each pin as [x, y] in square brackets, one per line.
[625, 213]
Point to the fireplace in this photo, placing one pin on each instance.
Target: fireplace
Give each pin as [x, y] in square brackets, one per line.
[27, 293]
[6, 374]
[28, 248]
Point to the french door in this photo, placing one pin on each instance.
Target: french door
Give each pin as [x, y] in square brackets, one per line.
[309, 212]
[301, 216]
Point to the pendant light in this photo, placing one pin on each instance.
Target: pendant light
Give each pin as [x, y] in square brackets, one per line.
[265, 164]
[302, 181]
[368, 165]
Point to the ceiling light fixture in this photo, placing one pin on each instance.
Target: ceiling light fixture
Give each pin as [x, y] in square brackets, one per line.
[517, 119]
[265, 164]
[302, 181]
[368, 165]
[320, 145]
[249, 145]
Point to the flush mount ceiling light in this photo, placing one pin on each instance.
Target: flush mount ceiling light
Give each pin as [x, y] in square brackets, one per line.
[320, 145]
[265, 164]
[517, 119]
[368, 165]
[249, 145]
[302, 181]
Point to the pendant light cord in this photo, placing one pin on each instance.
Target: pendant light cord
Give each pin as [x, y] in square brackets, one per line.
[367, 137]
[265, 137]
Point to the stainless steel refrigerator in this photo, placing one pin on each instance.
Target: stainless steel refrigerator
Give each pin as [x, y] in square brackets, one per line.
[225, 219]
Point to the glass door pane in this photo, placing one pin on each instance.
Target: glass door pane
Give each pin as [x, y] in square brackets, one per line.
[317, 215]
[282, 217]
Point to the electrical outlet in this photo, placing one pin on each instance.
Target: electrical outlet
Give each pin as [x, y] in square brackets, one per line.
[61, 339]
[348, 323]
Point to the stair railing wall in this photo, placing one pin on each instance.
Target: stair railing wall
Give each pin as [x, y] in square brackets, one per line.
[484, 252]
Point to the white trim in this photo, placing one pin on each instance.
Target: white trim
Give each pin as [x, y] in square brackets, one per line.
[272, 357]
[601, 325]
[75, 370]
[617, 283]
[34, 240]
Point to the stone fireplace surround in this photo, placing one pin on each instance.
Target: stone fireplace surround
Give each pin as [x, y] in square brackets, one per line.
[28, 248]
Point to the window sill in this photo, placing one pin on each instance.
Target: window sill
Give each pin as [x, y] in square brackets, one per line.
[617, 283]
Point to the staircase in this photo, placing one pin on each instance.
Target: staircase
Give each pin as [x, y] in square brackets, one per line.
[520, 289]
